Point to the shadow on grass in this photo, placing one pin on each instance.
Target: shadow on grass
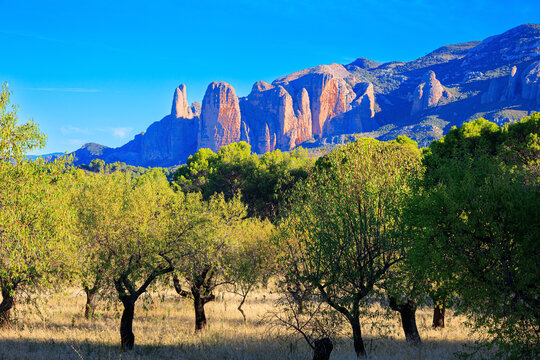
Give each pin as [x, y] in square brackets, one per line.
[220, 348]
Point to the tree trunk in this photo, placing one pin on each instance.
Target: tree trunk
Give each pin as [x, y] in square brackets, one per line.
[408, 321]
[323, 348]
[438, 315]
[200, 317]
[407, 310]
[8, 301]
[357, 337]
[126, 323]
[242, 311]
[91, 297]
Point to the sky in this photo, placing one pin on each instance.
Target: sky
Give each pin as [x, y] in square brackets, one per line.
[103, 71]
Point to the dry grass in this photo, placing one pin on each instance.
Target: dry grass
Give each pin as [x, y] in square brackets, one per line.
[164, 330]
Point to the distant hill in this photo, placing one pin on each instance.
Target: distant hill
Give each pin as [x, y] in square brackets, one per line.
[46, 157]
[497, 78]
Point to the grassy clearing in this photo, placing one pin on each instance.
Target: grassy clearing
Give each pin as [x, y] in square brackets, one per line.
[164, 330]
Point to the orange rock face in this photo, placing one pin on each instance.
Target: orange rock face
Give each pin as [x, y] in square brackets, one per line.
[328, 93]
[180, 106]
[304, 123]
[220, 117]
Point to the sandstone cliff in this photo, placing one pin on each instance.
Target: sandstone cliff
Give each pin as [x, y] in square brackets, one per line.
[220, 117]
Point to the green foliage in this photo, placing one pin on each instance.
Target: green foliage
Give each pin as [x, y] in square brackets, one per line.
[16, 140]
[402, 139]
[262, 181]
[100, 166]
[248, 264]
[343, 224]
[36, 223]
[206, 250]
[477, 220]
[35, 219]
[122, 225]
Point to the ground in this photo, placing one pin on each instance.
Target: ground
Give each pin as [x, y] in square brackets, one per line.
[164, 330]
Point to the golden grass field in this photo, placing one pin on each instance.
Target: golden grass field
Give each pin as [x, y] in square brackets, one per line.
[164, 330]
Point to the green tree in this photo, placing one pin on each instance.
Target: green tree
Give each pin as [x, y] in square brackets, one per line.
[16, 139]
[477, 222]
[262, 181]
[98, 200]
[203, 266]
[124, 221]
[343, 224]
[35, 230]
[248, 260]
[35, 222]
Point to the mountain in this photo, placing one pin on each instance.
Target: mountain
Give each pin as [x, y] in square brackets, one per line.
[498, 78]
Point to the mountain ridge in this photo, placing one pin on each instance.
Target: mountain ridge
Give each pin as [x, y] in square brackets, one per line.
[497, 78]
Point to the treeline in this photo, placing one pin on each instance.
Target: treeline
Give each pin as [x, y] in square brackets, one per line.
[454, 225]
[100, 166]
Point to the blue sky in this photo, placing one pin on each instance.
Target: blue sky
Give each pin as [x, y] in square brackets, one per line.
[102, 71]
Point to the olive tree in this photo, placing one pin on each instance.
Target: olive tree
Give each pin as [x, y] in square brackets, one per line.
[203, 264]
[343, 224]
[249, 260]
[35, 228]
[35, 221]
[124, 222]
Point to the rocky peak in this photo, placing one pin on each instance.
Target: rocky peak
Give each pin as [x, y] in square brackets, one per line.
[427, 93]
[261, 86]
[332, 101]
[511, 88]
[180, 105]
[363, 63]
[220, 117]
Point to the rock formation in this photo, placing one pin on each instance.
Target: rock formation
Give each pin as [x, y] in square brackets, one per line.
[275, 119]
[494, 91]
[526, 86]
[327, 104]
[427, 93]
[180, 106]
[530, 88]
[510, 90]
[329, 94]
[220, 117]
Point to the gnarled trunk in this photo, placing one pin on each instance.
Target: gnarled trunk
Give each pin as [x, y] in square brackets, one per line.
[408, 321]
[198, 303]
[128, 295]
[126, 323]
[200, 316]
[241, 310]
[90, 307]
[407, 311]
[323, 348]
[438, 315]
[359, 348]
[8, 301]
